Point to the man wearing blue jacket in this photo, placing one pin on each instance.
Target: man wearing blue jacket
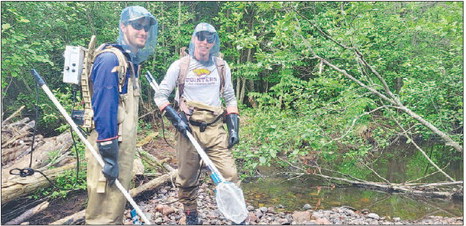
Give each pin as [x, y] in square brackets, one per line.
[115, 86]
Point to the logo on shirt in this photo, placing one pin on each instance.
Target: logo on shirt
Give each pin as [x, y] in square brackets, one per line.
[201, 72]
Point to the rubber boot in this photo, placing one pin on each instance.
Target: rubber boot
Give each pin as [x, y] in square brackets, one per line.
[192, 218]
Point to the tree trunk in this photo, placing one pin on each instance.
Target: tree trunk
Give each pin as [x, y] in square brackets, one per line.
[13, 115]
[41, 155]
[29, 213]
[243, 90]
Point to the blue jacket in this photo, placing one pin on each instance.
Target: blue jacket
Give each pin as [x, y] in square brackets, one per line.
[105, 97]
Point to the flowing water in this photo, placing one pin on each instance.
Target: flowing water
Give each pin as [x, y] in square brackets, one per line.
[287, 194]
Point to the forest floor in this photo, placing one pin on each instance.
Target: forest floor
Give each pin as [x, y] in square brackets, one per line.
[162, 206]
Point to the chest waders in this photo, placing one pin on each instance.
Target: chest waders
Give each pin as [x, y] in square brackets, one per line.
[106, 204]
[97, 159]
[217, 157]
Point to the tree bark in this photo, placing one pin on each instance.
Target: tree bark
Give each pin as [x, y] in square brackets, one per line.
[18, 186]
[13, 115]
[29, 213]
[41, 154]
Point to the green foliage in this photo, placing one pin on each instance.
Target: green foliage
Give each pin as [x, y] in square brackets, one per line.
[63, 185]
[303, 109]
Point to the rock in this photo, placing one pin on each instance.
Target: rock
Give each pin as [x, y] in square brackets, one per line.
[259, 213]
[252, 217]
[373, 216]
[166, 210]
[250, 208]
[301, 216]
[158, 220]
[307, 207]
[280, 206]
[263, 209]
[182, 220]
[322, 221]
[283, 221]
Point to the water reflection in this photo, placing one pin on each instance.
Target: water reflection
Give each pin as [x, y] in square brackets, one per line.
[292, 195]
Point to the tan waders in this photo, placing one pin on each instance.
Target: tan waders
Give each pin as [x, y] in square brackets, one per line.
[106, 203]
[214, 140]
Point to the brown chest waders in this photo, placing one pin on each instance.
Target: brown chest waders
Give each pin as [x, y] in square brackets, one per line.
[106, 204]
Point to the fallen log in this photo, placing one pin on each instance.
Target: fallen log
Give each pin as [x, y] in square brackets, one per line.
[9, 155]
[72, 219]
[29, 213]
[153, 184]
[19, 123]
[41, 155]
[17, 186]
[392, 187]
[13, 115]
[19, 133]
[153, 160]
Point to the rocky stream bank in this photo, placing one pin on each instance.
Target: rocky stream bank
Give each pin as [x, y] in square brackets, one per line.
[163, 208]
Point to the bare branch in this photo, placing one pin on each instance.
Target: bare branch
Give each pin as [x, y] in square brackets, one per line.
[388, 182]
[422, 151]
[354, 122]
[418, 179]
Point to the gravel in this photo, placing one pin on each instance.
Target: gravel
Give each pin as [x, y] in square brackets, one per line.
[164, 208]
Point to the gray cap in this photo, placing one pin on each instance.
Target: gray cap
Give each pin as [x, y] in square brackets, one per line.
[205, 27]
[214, 51]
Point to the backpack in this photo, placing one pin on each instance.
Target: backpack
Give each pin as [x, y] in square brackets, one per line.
[86, 86]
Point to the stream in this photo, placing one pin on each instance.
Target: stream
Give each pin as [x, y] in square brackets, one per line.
[397, 165]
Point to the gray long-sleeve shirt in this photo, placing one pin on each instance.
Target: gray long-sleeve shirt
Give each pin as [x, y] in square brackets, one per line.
[202, 85]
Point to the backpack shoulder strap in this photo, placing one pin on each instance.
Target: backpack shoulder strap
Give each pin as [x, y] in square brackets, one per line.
[184, 65]
[122, 62]
[220, 63]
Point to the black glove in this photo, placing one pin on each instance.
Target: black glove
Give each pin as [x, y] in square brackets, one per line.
[109, 152]
[179, 121]
[232, 121]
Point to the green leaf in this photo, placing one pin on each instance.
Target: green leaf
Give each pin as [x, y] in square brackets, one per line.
[5, 27]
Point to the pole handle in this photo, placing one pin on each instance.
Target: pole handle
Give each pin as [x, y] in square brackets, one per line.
[39, 79]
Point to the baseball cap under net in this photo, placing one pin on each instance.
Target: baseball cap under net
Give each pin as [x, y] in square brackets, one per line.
[206, 31]
[135, 13]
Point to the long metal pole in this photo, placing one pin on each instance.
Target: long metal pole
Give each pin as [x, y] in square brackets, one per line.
[86, 142]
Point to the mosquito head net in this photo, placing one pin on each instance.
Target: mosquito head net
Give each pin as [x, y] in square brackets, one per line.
[205, 31]
[139, 18]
